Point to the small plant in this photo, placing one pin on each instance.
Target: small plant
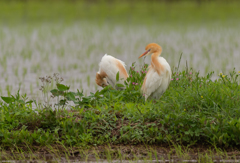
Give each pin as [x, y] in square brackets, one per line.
[47, 84]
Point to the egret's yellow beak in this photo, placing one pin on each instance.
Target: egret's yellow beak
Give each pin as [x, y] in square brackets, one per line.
[144, 53]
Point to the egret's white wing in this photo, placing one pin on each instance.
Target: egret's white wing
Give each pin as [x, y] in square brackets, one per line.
[153, 82]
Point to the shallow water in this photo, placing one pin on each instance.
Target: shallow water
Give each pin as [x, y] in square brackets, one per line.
[74, 51]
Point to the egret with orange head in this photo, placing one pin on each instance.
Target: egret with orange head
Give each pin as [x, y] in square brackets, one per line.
[108, 69]
[158, 76]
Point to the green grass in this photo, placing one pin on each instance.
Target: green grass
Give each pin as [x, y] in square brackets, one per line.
[194, 110]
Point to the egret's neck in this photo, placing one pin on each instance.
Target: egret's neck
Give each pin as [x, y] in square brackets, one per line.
[156, 54]
[156, 64]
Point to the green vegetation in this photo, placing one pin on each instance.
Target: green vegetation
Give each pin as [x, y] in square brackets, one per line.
[194, 110]
[120, 12]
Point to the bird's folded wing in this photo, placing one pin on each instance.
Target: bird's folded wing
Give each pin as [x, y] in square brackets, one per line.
[153, 82]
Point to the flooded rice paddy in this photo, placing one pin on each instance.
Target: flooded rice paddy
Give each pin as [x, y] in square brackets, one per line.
[74, 51]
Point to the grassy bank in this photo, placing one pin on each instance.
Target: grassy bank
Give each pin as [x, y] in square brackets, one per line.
[194, 110]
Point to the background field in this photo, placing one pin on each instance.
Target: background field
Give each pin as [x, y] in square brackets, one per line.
[39, 38]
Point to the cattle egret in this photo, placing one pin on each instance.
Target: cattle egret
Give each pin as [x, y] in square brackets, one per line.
[158, 76]
[108, 69]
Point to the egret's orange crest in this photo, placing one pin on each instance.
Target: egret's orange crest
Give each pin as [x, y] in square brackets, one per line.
[151, 48]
